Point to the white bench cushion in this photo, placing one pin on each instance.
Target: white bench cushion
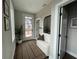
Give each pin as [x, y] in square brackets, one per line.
[47, 37]
[43, 46]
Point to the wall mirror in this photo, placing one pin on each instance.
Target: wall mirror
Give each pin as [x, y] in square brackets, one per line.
[47, 24]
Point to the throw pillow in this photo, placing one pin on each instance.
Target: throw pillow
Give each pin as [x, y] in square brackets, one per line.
[41, 37]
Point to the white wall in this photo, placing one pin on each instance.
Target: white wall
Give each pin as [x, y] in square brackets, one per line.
[12, 21]
[12, 28]
[54, 30]
[46, 11]
[7, 45]
[19, 20]
[72, 42]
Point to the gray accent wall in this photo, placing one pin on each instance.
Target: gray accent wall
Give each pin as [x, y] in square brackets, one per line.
[8, 46]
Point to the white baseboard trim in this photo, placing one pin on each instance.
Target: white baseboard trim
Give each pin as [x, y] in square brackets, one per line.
[71, 53]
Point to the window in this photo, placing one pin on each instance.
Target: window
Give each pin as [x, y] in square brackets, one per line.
[28, 27]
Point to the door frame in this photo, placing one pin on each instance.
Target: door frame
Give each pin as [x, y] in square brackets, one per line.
[37, 19]
[57, 18]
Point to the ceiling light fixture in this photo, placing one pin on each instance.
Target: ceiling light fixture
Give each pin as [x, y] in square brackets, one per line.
[44, 5]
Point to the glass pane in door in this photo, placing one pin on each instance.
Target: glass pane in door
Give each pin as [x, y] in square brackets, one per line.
[28, 27]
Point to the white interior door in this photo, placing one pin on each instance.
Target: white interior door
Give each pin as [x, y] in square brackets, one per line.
[62, 32]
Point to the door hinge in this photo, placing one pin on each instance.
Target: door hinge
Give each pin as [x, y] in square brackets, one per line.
[59, 35]
[58, 54]
[61, 14]
[66, 36]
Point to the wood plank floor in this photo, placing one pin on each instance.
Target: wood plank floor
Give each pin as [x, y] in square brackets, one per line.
[67, 56]
[28, 50]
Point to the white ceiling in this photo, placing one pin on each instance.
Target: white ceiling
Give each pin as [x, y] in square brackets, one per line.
[31, 6]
